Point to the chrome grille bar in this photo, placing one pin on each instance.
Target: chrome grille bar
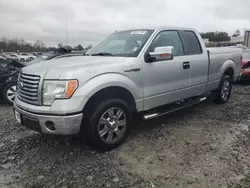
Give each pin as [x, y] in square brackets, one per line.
[27, 86]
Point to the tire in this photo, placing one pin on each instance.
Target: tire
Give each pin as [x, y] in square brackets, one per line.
[9, 93]
[22, 60]
[223, 93]
[102, 129]
[31, 58]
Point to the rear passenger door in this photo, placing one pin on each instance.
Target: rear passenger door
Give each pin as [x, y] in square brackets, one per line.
[197, 59]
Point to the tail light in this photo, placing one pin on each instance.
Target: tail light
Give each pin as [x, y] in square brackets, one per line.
[243, 63]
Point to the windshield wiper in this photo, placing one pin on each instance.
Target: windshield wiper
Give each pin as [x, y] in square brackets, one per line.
[103, 54]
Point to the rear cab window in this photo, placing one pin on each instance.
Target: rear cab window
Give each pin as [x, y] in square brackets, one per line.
[191, 42]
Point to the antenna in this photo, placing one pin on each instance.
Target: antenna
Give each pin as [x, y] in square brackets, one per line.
[66, 31]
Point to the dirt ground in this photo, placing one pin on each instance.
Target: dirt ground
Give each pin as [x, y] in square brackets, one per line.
[200, 147]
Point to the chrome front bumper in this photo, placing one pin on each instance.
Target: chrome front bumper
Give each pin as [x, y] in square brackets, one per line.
[63, 125]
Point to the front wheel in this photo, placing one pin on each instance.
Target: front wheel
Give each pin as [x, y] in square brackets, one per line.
[107, 125]
[224, 91]
[9, 93]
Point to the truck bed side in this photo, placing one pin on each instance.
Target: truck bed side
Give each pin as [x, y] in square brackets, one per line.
[222, 59]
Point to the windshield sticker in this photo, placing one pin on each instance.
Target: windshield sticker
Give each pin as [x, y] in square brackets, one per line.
[138, 32]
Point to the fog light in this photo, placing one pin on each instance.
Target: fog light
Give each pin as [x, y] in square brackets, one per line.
[50, 125]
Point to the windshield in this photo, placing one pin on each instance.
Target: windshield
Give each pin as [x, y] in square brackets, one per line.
[124, 43]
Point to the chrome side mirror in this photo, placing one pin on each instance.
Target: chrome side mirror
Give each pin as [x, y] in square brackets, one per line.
[162, 53]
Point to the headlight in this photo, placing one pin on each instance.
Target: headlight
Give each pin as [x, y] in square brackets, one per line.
[58, 90]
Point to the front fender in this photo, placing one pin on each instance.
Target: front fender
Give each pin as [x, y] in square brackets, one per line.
[108, 80]
[103, 81]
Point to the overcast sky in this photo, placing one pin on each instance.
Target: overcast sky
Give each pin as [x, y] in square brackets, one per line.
[91, 20]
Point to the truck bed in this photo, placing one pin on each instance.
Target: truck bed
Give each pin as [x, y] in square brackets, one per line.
[218, 61]
[220, 50]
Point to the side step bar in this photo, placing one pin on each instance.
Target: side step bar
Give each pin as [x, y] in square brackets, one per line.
[172, 108]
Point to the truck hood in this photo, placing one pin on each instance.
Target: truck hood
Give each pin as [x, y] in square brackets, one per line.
[74, 62]
[72, 67]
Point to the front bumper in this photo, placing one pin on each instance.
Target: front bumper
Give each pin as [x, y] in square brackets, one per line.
[63, 125]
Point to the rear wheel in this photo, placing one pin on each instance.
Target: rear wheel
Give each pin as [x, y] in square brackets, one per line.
[106, 125]
[9, 93]
[22, 60]
[224, 91]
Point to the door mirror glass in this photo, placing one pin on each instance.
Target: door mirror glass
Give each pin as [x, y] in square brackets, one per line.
[162, 53]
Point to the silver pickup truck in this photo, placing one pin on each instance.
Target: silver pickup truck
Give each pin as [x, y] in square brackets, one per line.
[146, 71]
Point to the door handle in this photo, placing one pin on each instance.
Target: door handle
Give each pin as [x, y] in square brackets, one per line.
[186, 65]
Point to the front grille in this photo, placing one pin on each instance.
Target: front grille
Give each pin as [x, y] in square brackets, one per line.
[28, 88]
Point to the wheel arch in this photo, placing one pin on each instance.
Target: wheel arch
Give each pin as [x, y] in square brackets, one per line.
[230, 72]
[111, 84]
[228, 69]
[112, 92]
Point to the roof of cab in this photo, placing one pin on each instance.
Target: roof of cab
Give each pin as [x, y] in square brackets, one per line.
[162, 28]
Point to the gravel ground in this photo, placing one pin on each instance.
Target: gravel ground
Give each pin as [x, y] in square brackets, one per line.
[204, 146]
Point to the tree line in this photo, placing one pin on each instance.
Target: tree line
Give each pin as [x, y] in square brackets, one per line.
[219, 36]
[20, 45]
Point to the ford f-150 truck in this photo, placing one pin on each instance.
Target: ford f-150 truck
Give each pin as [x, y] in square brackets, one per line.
[147, 71]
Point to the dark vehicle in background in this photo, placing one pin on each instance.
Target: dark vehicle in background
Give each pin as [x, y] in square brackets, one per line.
[8, 79]
[14, 57]
[245, 66]
[10, 57]
[9, 69]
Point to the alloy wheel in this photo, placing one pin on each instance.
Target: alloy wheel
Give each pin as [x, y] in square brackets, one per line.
[11, 93]
[112, 125]
[225, 89]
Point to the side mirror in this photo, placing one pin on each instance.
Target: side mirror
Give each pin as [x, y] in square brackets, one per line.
[162, 53]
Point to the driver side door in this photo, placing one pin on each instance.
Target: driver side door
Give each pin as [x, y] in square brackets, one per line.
[165, 81]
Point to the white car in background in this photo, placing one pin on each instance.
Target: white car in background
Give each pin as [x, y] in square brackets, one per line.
[26, 57]
[14, 57]
[2, 58]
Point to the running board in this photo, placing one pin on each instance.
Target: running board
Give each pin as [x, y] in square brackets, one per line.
[173, 107]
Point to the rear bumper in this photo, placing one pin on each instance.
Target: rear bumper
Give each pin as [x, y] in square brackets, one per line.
[242, 78]
[244, 75]
[63, 125]
[237, 77]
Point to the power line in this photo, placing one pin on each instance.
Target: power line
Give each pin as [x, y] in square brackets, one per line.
[66, 31]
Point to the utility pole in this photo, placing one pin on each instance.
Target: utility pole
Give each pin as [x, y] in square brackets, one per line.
[67, 42]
